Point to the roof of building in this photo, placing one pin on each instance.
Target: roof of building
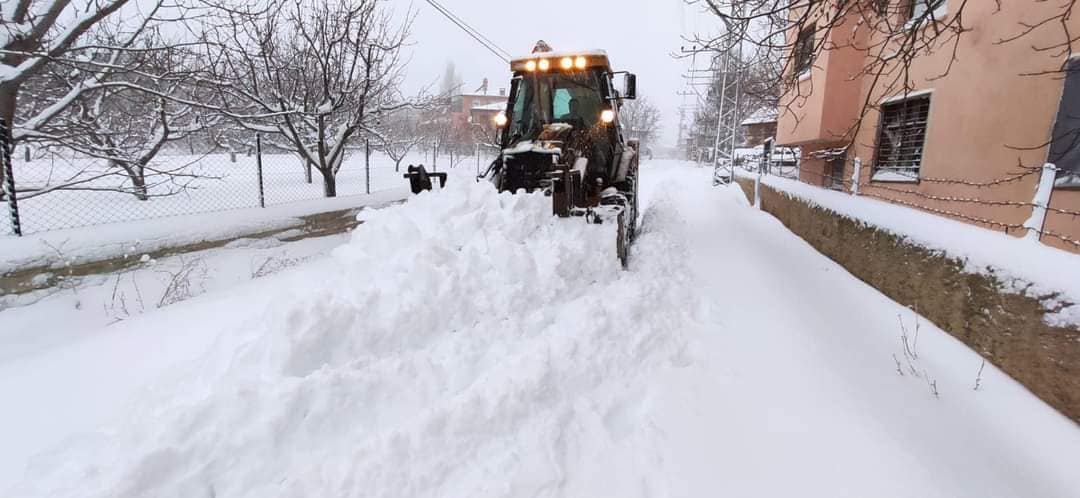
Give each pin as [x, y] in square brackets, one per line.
[494, 106]
[761, 116]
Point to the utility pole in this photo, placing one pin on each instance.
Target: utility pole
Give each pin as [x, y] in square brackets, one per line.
[720, 114]
[692, 77]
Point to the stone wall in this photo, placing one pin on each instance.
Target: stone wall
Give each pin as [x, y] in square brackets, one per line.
[1005, 328]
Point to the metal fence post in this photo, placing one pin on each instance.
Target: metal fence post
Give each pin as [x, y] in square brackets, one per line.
[259, 169]
[757, 187]
[855, 176]
[367, 165]
[1039, 204]
[9, 178]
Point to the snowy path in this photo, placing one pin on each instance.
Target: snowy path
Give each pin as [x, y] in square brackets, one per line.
[794, 390]
[466, 344]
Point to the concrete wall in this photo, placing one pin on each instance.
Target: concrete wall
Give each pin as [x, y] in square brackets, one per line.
[1006, 329]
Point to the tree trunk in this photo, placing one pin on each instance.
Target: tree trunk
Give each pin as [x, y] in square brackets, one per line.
[329, 183]
[139, 187]
[307, 171]
[137, 174]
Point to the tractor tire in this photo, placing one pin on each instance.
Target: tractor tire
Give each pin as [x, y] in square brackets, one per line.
[627, 221]
[622, 243]
[630, 190]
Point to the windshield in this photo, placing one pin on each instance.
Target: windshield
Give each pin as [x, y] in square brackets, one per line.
[539, 99]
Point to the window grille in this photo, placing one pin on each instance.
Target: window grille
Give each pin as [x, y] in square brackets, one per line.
[901, 137]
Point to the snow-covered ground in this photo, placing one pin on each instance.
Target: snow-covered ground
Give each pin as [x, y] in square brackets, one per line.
[75, 311]
[71, 246]
[211, 183]
[468, 344]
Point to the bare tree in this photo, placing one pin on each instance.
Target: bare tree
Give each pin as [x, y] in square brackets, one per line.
[118, 105]
[399, 135]
[32, 33]
[641, 120]
[313, 75]
[451, 81]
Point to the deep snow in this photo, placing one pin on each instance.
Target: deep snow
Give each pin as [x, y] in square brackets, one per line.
[468, 344]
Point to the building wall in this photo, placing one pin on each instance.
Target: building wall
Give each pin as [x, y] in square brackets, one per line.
[819, 108]
[986, 116]
[461, 117]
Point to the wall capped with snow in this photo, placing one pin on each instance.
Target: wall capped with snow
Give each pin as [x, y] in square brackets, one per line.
[1023, 328]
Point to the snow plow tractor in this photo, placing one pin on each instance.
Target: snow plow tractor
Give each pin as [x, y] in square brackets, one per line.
[560, 135]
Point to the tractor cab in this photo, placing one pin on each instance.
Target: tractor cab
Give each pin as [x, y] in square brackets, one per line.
[564, 104]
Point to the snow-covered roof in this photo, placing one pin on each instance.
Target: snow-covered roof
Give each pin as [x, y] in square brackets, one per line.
[494, 106]
[760, 116]
[481, 95]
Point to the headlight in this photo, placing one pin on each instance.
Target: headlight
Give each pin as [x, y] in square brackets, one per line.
[500, 119]
[580, 62]
[544, 64]
[608, 116]
[567, 63]
[530, 66]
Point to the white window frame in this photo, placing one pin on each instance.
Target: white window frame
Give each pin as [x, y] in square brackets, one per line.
[920, 6]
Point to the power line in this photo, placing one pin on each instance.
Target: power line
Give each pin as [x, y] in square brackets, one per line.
[474, 30]
[476, 35]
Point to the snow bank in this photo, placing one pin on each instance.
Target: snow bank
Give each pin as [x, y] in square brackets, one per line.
[466, 343]
[1022, 265]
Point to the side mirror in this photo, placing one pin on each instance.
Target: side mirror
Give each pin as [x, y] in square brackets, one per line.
[630, 92]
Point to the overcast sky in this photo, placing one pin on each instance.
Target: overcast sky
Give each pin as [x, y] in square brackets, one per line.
[638, 35]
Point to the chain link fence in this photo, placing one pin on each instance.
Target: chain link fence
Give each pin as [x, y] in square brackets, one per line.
[57, 189]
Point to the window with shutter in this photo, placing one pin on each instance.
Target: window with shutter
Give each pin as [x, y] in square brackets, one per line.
[803, 51]
[1065, 140]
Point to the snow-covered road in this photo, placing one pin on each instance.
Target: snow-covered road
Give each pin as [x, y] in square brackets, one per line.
[467, 344]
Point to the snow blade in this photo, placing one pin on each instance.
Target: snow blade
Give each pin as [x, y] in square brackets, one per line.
[420, 179]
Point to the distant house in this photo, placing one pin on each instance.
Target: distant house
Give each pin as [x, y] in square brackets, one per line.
[759, 127]
[485, 114]
[462, 120]
[480, 109]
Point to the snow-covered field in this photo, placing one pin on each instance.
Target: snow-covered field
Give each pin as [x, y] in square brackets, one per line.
[215, 184]
[468, 344]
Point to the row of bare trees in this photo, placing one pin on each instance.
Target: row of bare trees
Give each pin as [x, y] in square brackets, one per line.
[116, 81]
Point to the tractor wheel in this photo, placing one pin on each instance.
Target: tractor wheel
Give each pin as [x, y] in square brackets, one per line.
[630, 190]
[623, 241]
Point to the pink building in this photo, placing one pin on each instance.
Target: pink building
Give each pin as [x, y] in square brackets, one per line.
[469, 109]
[968, 136]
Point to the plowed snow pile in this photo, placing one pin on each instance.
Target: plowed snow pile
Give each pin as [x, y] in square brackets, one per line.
[464, 344]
